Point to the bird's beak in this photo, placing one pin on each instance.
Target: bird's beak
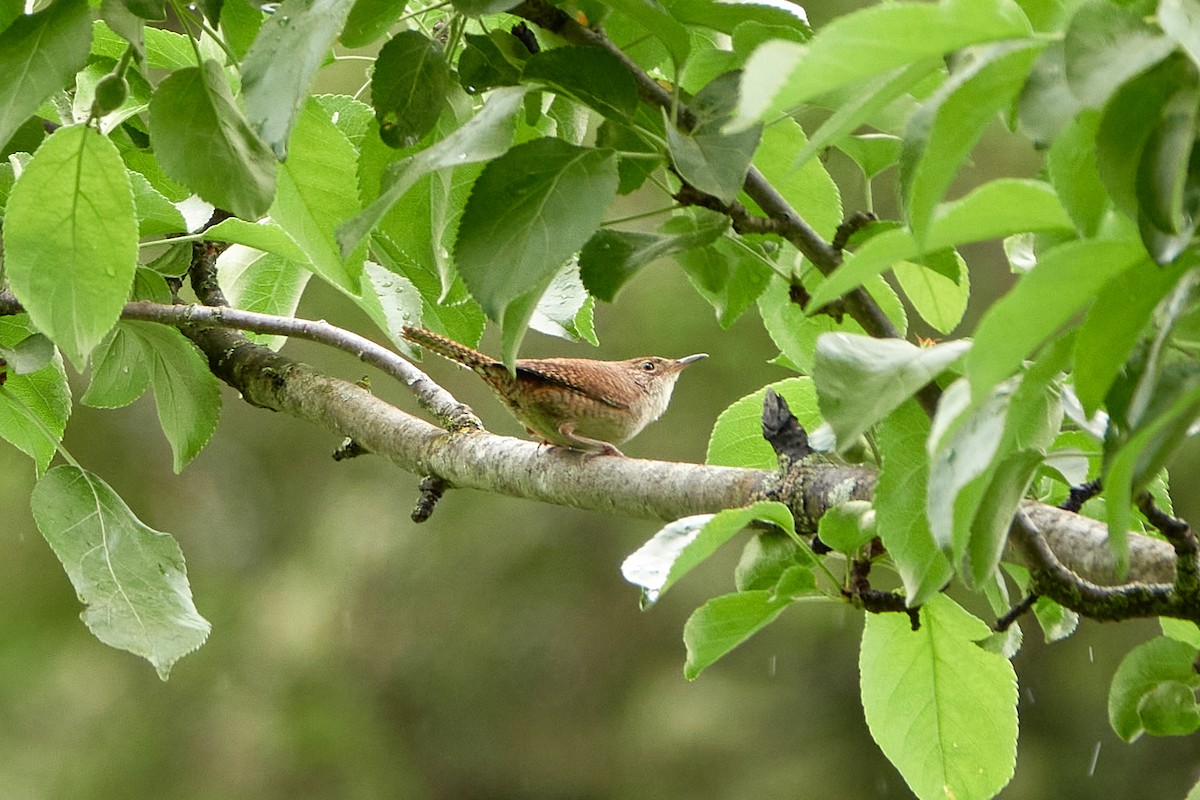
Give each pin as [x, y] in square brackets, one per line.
[683, 362]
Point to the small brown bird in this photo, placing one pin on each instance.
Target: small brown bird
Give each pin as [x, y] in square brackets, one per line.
[579, 403]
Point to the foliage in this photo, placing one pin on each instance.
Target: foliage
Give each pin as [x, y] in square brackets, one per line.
[479, 184]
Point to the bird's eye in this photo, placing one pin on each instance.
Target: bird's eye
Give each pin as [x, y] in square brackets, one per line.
[649, 366]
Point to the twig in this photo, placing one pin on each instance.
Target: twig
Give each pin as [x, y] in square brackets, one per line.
[1005, 622]
[431, 396]
[1179, 534]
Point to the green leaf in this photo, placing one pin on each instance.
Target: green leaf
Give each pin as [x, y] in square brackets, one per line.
[70, 239]
[1064, 281]
[279, 66]
[611, 257]
[592, 76]
[766, 557]
[1143, 670]
[1178, 19]
[185, 390]
[860, 380]
[157, 216]
[1071, 164]
[193, 112]
[724, 622]
[29, 355]
[408, 88]
[529, 211]
[1181, 630]
[565, 309]
[942, 709]
[1114, 325]
[730, 274]
[1127, 125]
[40, 54]
[995, 210]
[848, 526]
[737, 440]
[1163, 174]
[940, 301]
[478, 8]
[483, 64]
[715, 163]
[120, 371]
[871, 98]
[807, 186]
[1105, 46]
[164, 49]
[369, 20]
[796, 333]
[264, 235]
[484, 137]
[672, 552]
[318, 189]
[659, 23]
[241, 20]
[872, 152]
[132, 579]
[780, 75]
[263, 282]
[33, 403]
[1144, 454]
[900, 517]
[945, 128]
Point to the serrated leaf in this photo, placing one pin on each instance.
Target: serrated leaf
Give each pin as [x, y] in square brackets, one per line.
[737, 440]
[408, 87]
[591, 75]
[519, 216]
[192, 111]
[565, 308]
[724, 622]
[132, 579]
[164, 49]
[677, 548]
[185, 390]
[1071, 163]
[806, 186]
[120, 371]
[29, 355]
[765, 558]
[70, 239]
[279, 66]
[899, 501]
[730, 274]
[318, 189]
[478, 8]
[860, 380]
[483, 64]
[40, 54]
[926, 694]
[44, 394]
[1144, 668]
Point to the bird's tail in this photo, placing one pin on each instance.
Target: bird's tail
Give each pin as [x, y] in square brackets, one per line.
[447, 348]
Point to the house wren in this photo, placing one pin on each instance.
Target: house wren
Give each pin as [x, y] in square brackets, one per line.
[572, 402]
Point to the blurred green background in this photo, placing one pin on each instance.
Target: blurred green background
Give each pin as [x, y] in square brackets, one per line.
[495, 651]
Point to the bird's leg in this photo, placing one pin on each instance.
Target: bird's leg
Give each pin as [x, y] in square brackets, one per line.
[567, 429]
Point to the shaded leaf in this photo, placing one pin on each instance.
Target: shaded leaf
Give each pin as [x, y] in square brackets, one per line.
[132, 579]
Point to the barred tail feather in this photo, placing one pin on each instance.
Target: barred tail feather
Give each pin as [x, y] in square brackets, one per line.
[447, 348]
